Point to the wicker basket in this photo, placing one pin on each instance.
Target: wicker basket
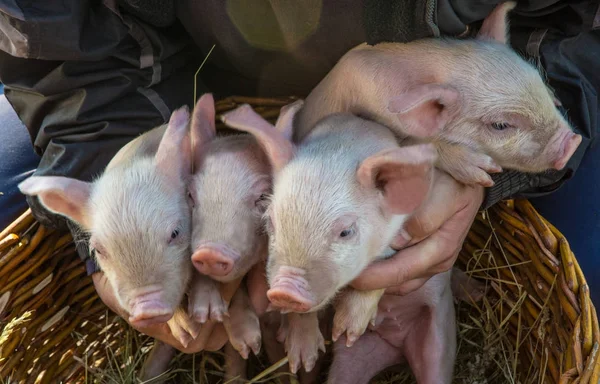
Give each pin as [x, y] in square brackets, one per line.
[53, 322]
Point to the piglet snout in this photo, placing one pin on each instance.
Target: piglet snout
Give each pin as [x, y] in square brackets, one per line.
[214, 259]
[290, 290]
[148, 309]
[564, 143]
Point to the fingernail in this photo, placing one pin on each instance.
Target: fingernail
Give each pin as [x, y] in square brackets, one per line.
[405, 235]
[401, 239]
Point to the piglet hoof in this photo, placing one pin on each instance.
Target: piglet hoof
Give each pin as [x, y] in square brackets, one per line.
[466, 165]
[244, 333]
[205, 301]
[183, 328]
[354, 311]
[304, 341]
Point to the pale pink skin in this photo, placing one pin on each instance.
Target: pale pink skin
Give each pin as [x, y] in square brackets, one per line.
[418, 328]
[232, 177]
[139, 220]
[242, 325]
[229, 189]
[317, 197]
[275, 339]
[474, 82]
[321, 241]
[339, 199]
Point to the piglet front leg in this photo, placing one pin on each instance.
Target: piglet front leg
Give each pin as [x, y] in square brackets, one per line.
[157, 362]
[205, 300]
[235, 366]
[354, 310]
[242, 325]
[303, 340]
[466, 165]
[183, 327]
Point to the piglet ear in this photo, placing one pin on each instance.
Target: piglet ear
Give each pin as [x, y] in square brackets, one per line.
[426, 109]
[203, 128]
[403, 175]
[174, 156]
[277, 147]
[62, 195]
[495, 26]
[285, 122]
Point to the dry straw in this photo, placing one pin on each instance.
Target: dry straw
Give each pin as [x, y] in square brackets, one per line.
[536, 324]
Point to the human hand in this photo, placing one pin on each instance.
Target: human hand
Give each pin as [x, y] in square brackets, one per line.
[432, 240]
[257, 284]
[212, 336]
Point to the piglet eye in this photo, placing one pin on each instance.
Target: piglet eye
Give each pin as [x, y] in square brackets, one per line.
[261, 199]
[262, 202]
[174, 234]
[500, 126]
[347, 233]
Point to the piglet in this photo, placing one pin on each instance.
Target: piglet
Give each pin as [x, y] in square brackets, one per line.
[339, 199]
[488, 107]
[139, 220]
[229, 188]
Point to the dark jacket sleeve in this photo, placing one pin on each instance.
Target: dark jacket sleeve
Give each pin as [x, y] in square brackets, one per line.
[85, 79]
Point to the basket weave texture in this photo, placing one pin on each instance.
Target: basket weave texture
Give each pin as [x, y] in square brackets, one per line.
[52, 321]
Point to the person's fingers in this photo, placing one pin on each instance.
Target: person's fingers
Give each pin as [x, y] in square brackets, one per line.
[162, 331]
[408, 287]
[405, 265]
[217, 339]
[228, 289]
[414, 284]
[258, 286]
[433, 255]
[435, 211]
[211, 336]
[202, 340]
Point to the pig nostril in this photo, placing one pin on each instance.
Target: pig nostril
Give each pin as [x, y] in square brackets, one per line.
[213, 261]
